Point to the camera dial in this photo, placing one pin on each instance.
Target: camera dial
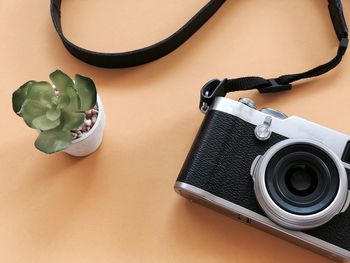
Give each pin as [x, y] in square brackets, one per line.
[274, 113]
[300, 184]
[248, 102]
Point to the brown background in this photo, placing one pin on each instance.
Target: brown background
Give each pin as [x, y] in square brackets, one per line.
[118, 205]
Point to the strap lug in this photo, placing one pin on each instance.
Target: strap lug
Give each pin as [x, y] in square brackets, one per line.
[211, 90]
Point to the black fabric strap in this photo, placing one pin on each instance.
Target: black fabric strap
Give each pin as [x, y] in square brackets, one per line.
[139, 56]
[215, 87]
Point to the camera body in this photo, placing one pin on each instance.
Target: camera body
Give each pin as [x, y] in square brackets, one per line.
[285, 175]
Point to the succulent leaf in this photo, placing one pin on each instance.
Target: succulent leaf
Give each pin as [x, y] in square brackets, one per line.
[54, 100]
[61, 80]
[53, 114]
[32, 109]
[43, 123]
[87, 92]
[72, 121]
[74, 100]
[53, 141]
[19, 97]
[63, 101]
[41, 91]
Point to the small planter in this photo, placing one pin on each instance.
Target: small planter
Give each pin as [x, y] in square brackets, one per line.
[67, 113]
[90, 141]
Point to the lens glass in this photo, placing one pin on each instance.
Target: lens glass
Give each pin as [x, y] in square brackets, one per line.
[302, 179]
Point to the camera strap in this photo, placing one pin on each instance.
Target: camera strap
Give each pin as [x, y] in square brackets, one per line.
[213, 88]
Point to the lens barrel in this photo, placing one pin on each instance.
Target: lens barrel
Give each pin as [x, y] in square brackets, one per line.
[302, 179]
[300, 183]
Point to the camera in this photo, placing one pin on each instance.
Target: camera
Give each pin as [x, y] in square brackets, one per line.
[285, 175]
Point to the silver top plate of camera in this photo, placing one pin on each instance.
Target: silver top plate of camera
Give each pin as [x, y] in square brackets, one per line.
[290, 127]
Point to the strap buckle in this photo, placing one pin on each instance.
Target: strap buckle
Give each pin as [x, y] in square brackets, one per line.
[275, 87]
[343, 45]
[337, 15]
[210, 91]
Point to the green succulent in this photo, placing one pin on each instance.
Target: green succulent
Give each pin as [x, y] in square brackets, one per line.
[55, 109]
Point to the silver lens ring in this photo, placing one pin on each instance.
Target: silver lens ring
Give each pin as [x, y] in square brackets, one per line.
[285, 218]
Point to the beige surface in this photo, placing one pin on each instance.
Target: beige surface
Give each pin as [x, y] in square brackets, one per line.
[118, 205]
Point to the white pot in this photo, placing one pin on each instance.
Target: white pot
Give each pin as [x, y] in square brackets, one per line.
[91, 140]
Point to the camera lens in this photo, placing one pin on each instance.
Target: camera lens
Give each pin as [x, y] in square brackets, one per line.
[300, 183]
[302, 179]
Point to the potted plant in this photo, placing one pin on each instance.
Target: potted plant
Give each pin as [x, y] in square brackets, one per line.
[68, 115]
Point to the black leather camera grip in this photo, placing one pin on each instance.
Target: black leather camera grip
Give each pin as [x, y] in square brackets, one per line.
[221, 156]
